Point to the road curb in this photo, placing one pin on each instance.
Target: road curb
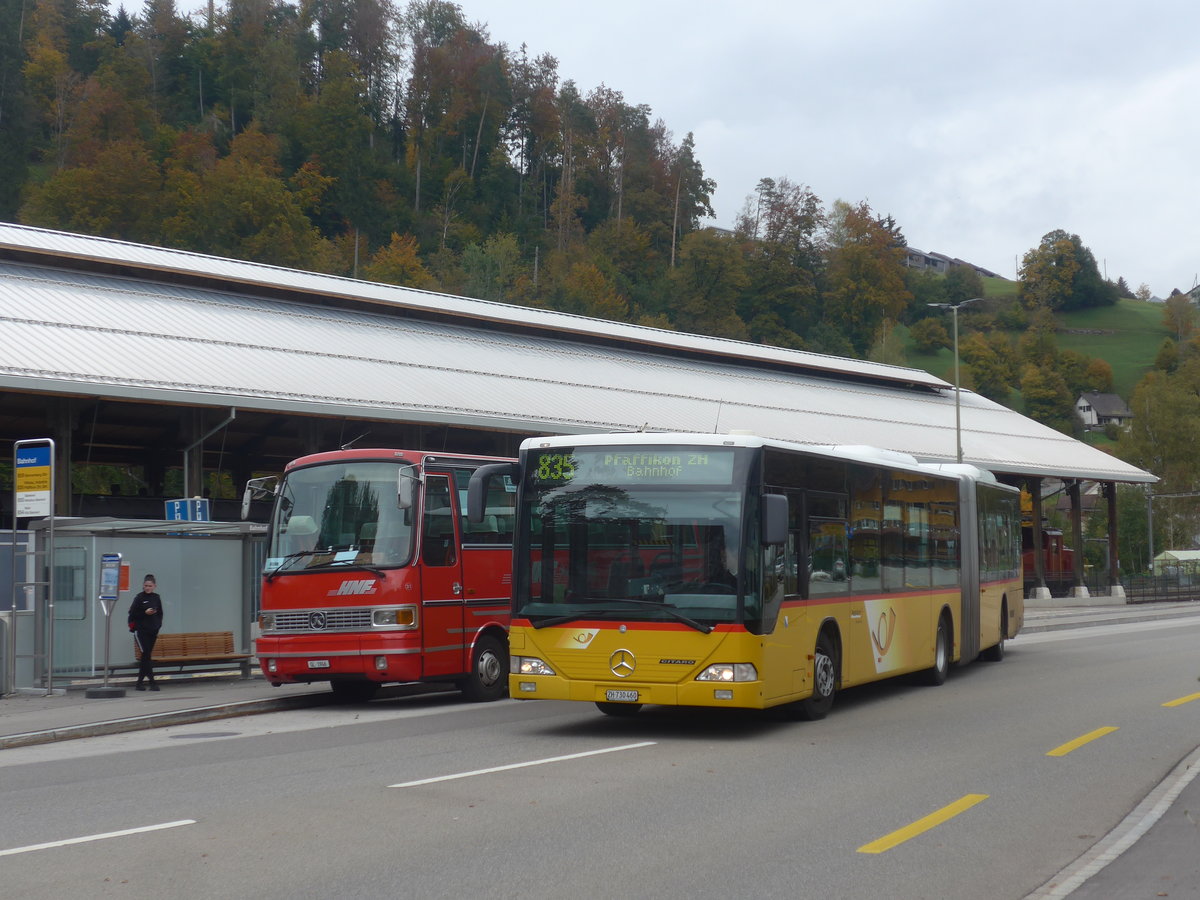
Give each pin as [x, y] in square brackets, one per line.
[165, 719]
[1127, 832]
[1067, 625]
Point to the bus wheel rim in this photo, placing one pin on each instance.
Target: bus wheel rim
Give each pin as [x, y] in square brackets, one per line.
[489, 667]
[824, 675]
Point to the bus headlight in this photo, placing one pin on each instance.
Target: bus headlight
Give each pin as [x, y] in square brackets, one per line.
[266, 621]
[528, 665]
[727, 672]
[404, 617]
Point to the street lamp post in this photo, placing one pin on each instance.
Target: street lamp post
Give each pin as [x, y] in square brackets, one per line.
[953, 307]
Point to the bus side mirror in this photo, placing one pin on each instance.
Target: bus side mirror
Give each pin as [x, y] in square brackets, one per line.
[257, 489]
[477, 488]
[774, 519]
[406, 488]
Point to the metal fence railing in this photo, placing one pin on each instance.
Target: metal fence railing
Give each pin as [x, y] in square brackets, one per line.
[1161, 588]
[1138, 588]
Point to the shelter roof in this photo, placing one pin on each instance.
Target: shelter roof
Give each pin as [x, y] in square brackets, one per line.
[89, 316]
[112, 525]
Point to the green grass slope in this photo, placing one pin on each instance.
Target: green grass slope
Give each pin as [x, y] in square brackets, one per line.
[1127, 336]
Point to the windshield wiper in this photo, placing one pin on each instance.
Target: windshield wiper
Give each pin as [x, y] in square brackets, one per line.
[575, 616]
[671, 611]
[288, 560]
[606, 613]
[351, 564]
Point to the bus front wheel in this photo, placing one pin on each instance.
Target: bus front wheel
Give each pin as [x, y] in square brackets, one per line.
[347, 690]
[621, 710]
[489, 671]
[825, 679]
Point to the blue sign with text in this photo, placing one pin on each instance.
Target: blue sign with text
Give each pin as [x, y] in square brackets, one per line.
[193, 510]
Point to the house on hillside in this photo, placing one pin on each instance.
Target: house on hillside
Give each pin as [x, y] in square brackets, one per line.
[1098, 410]
[932, 262]
[939, 263]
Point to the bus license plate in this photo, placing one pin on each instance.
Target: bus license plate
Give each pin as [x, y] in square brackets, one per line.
[621, 696]
[318, 664]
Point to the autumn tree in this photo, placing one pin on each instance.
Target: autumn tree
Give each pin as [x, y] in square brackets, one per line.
[1179, 315]
[987, 371]
[493, 267]
[780, 231]
[118, 195]
[1048, 399]
[866, 279]
[1167, 358]
[963, 283]
[1061, 274]
[1038, 343]
[245, 210]
[1164, 438]
[929, 336]
[400, 263]
[1098, 376]
[705, 285]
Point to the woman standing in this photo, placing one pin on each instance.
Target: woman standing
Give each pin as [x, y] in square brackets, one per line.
[145, 619]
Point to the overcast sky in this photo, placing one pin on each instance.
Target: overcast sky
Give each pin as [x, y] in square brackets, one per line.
[980, 125]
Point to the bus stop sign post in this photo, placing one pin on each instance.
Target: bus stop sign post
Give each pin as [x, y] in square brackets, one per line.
[110, 590]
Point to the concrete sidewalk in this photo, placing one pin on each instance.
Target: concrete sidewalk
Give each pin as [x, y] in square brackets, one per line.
[32, 717]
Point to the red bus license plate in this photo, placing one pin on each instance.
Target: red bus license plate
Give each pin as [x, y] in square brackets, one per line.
[318, 664]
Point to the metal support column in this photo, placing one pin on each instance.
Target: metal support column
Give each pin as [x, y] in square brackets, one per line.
[33, 496]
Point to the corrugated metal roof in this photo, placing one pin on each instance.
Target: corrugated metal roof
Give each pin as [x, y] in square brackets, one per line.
[67, 330]
[160, 263]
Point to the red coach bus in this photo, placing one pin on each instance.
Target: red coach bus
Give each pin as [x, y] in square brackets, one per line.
[374, 576]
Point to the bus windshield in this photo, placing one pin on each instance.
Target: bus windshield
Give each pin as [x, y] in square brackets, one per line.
[339, 514]
[636, 535]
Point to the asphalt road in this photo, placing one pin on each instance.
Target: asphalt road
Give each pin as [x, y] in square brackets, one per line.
[984, 787]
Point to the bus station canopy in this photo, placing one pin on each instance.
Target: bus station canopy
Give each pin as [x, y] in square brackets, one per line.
[93, 317]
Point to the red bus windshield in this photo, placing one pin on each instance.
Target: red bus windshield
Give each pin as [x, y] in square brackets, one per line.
[340, 514]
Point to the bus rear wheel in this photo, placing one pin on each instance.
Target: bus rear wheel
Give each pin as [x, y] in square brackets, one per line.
[620, 710]
[995, 653]
[489, 671]
[825, 679]
[936, 674]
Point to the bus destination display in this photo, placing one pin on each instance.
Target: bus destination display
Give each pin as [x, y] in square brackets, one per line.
[649, 465]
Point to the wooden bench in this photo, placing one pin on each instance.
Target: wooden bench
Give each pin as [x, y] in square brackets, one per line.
[213, 649]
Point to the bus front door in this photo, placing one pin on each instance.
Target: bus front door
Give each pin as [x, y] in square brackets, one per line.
[442, 595]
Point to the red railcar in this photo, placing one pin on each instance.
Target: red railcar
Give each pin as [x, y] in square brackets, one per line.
[1058, 560]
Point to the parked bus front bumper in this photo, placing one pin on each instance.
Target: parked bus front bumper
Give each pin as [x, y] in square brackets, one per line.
[744, 695]
[307, 658]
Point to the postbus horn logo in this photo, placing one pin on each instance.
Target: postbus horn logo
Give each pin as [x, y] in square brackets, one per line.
[883, 633]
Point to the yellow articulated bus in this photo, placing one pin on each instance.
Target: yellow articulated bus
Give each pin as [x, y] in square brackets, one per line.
[728, 570]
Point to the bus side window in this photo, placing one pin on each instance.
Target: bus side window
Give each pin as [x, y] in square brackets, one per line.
[496, 526]
[437, 529]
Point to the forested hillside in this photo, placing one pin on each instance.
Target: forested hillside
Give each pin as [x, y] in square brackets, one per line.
[400, 143]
